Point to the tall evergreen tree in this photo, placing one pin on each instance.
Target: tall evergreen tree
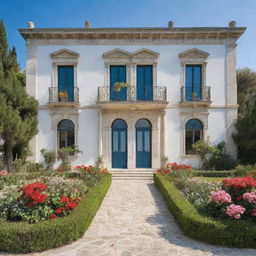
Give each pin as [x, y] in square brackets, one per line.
[18, 110]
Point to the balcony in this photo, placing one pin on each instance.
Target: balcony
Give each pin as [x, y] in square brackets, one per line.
[69, 97]
[191, 97]
[154, 98]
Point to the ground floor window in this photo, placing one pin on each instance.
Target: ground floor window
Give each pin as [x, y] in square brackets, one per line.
[193, 133]
[66, 133]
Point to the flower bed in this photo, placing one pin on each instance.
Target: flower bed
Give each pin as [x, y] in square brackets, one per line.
[22, 237]
[227, 232]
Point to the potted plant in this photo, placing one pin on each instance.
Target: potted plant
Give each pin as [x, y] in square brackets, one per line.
[194, 96]
[63, 96]
[118, 85]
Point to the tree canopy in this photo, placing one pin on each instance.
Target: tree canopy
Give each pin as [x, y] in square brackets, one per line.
[18, 110]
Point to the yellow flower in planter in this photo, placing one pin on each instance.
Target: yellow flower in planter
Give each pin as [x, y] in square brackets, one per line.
[117, 86]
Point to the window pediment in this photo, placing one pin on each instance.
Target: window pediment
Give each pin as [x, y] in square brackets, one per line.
[194, 54]
[145, 53]
[117, 53]
[64, 54]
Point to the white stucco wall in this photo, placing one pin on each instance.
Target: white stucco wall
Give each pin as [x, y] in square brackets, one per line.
[90, 75]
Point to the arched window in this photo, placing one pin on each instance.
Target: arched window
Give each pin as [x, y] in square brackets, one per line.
[66, 133]
[194, 132]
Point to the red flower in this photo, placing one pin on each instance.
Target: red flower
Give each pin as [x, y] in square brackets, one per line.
[53, 216]
[60, 210]
[64, 199]
[78, 199]
[239, 198]
[167, 171]
[72, 205]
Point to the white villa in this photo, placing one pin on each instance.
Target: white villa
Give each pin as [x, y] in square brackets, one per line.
[133, 95]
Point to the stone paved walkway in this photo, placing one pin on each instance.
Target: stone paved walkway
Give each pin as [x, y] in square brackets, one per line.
[134, 221]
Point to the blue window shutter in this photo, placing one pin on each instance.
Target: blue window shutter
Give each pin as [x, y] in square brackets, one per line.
[144, 82]
[66, 80]
[117, 74]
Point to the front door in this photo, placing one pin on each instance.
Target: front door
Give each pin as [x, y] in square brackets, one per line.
[117, 75]
[143, 144]
[66, 81]
[119, 144]
[144, 82]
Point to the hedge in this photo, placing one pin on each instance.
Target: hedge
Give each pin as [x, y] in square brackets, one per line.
[230, 233]
[21, 237]
[213, 173]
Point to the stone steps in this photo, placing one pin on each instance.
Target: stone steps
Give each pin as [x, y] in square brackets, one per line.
[132, 174]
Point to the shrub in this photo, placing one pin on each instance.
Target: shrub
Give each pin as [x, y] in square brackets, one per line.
[244, 170]
[49, 158]
[219, 159]
[23, 237]
[213, 173]
[228, 232]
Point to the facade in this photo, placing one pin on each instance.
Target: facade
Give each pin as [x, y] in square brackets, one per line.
[133, 95]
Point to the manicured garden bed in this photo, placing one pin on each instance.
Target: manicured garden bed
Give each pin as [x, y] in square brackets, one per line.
[226, 232]
[22, 237]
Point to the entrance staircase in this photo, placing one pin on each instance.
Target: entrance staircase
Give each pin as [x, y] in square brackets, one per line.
[132, 174]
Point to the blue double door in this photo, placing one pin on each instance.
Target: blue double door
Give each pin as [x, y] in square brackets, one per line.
[143, 144]
[66, 81]
[144, 83]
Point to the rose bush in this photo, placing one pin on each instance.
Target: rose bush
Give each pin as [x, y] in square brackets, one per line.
[236, 199]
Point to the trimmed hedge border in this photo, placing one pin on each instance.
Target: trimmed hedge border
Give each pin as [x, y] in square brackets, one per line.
[230, 233]
[214, 173]
[23, 237]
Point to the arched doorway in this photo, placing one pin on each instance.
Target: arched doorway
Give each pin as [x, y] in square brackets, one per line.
[119, 144]
[143, 143]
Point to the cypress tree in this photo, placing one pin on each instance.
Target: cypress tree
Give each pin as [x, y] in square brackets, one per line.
[18, 110]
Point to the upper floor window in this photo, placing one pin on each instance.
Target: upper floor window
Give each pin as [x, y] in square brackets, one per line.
[194, 132]
[193, 82]
[66, 83]
[66, 133]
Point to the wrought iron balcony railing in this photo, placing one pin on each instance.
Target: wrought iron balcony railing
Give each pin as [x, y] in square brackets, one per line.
[154, 93]
[67, 95]
[192, 94]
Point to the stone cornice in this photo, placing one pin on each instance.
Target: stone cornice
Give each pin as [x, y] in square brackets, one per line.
[133, 34]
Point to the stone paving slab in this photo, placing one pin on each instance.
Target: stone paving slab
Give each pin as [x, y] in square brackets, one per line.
[133, 220]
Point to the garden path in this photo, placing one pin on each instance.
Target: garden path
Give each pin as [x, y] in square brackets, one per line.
[133, 220]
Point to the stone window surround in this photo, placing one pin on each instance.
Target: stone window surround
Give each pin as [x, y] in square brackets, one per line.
[193, 57]
[63, 57]
[130, 60]
[184, 118]
[59, 116]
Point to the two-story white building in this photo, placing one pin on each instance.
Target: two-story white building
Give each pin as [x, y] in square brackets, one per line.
[181, 87]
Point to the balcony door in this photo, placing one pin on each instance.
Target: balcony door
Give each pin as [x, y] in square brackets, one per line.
[144, 82]
[143, 143]
[193, 82]
[66, 83]
[117, 75]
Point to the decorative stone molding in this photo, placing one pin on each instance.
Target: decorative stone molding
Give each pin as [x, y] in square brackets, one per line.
[130, 60]
[194, 54]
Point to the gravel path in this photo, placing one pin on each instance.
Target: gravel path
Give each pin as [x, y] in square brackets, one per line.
[134, 221]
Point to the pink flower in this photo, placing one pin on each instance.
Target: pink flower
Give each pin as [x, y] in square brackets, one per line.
[235, 211]
[220, 196]
[3, 173]
[250, 197]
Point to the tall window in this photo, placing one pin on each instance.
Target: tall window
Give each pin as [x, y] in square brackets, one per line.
[193, 82]
[194, 132]
[66, 83]
[66, 133]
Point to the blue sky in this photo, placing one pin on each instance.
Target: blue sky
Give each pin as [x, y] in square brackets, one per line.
[132, 13]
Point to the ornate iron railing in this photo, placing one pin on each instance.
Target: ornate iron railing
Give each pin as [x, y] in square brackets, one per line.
[65, 95]
[192, 94]
[157, 94]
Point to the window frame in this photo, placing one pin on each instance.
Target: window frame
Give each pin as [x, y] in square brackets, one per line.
[66, 135]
